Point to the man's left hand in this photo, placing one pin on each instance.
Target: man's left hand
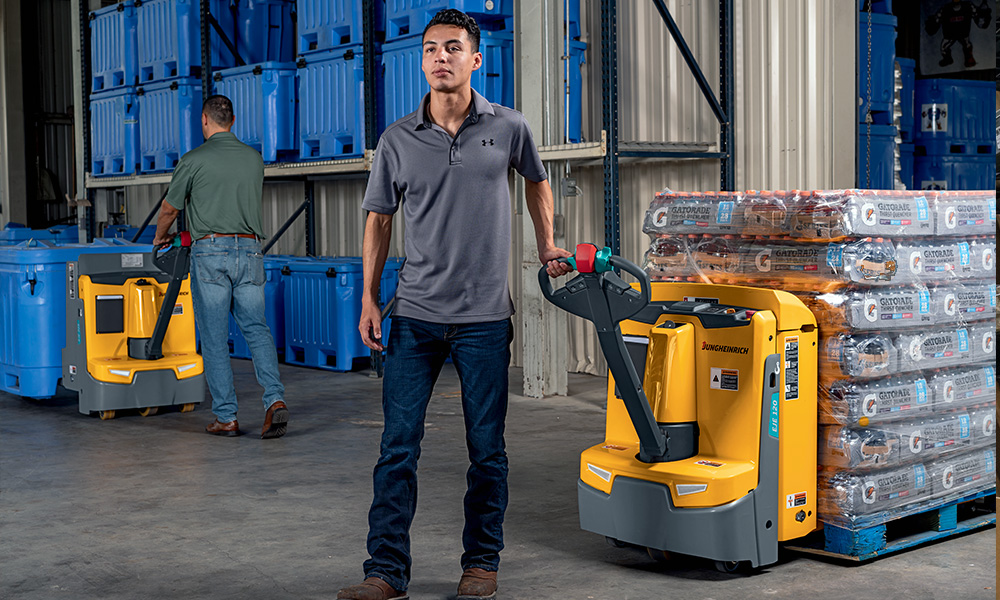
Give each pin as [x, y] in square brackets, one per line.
[550, 256]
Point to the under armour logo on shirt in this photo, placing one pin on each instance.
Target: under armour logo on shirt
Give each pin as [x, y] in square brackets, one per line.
[489, 141]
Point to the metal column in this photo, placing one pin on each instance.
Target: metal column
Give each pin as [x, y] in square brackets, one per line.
[609, 120]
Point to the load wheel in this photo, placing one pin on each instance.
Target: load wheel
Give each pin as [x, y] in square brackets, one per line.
[658, 555]
[729, 566]
[106, 415]
[149, 411]
[614, 543]
[187, 407]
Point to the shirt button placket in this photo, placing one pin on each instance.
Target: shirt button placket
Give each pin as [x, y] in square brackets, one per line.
[455, 154]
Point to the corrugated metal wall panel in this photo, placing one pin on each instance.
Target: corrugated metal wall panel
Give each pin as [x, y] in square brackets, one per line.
[279, 202]
[795, 93]
[55, 100]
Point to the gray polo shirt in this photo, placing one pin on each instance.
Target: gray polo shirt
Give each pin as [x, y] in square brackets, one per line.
[456, 206]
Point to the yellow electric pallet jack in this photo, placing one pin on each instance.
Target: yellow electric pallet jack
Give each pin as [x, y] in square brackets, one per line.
[710, 445]
[130, 333]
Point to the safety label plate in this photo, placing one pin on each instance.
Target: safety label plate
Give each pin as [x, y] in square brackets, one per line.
[725, 379]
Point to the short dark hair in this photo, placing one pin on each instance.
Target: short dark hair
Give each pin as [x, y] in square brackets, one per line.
[219, 109]
[452, 16]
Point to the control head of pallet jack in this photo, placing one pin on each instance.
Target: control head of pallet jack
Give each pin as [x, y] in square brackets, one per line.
[175, 261]
[174, 258]
[597, 293]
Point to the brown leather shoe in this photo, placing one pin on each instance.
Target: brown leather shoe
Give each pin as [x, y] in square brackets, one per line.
[275, 421]
[477, 584]
[231, 429]
[372, 588]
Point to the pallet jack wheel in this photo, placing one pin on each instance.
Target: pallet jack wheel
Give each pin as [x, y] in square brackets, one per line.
[106, 415]
[187, 407]
[728, 566]
[149, 411]
[661, 556]
[614, 542]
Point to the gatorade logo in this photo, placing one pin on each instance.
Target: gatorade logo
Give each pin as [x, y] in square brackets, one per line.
[949, 217]
[988, 343]
[948, 478]
[988, 259]
[660, 217]
[949, 391]
[916, 442]
[869, 493]
[871, 310]
[868, 214]
[989, 423]
[763, 261]
[915, 262]
[949, 304]
[870, 406]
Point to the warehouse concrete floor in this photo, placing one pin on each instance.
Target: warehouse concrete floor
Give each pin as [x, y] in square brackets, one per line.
[154, 508]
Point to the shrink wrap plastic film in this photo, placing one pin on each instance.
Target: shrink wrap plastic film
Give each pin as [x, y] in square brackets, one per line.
[855, 499]
[903, 287]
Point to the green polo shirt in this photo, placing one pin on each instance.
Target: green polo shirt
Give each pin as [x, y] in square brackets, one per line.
[221, 180]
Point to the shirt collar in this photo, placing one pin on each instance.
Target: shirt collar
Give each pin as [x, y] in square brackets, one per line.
[221, 135]
[480, 106]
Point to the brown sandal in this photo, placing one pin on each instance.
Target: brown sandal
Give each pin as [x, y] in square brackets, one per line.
[371, 588]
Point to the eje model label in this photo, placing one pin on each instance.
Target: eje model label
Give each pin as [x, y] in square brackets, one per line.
[725, 379]
[792, 368]
[131, 260]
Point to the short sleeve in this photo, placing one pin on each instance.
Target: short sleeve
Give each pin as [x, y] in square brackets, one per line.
[180, 185]
[523, 153]
[382, 195]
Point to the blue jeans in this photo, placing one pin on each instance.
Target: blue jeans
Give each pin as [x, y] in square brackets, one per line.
[227, 275]
[415, 353]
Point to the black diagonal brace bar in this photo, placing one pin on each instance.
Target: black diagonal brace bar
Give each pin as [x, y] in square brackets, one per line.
[692, 63]
[225, 40]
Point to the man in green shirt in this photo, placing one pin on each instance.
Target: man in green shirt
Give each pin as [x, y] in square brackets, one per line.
[219, 184]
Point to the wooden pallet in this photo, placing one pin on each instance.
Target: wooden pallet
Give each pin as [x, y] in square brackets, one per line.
[969, 513]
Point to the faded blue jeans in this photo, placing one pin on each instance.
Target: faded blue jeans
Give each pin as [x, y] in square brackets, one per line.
[416, 352]
[227, 275]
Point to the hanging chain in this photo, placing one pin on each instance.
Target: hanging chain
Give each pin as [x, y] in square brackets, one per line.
[868, 110]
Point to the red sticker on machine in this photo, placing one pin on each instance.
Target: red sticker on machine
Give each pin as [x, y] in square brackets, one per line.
[795, 500]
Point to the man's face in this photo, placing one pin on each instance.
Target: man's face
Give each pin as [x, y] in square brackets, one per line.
[448, 60]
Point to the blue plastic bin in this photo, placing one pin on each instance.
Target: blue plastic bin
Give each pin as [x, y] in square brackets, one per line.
[170, 123]
[169, 34]
[877, 6]
[954, 117]
[573, 25]
[574, 87]
[954, 172]
[332, 128]
[907, 121]
[263, 99]
[114, 132]
[883, 163]
[323, 308]
[406, 18]
[274, 308]
[405, 84]
[264, 31]
[906, 165]
[15, 233]
[113, 50]
[883, 65]
[33, 311]
[127, 232]
[328, 24]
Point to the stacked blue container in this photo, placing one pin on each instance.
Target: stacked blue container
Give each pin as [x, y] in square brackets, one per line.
[322, 309]
[169, 125]
[275, 269]
[907, 70]
[114, 133]
[952, 135]
[877, 91]
[33, 311]
[331, 65]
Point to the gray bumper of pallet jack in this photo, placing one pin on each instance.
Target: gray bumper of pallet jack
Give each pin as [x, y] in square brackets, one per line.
[148, 388]
[642, 513]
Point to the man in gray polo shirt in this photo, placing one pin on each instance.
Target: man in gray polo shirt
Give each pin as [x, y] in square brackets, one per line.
[447, 166]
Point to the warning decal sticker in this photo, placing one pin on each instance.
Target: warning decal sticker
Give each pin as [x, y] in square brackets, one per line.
[725, 379]
[709, 463]
[795, 500]
[792, 368]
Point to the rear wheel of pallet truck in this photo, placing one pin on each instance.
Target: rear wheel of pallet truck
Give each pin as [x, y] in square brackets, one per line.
[187, 407]
[729, 566]
[658, 555]
[106, 415]
[614, 543]
[149, 411]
